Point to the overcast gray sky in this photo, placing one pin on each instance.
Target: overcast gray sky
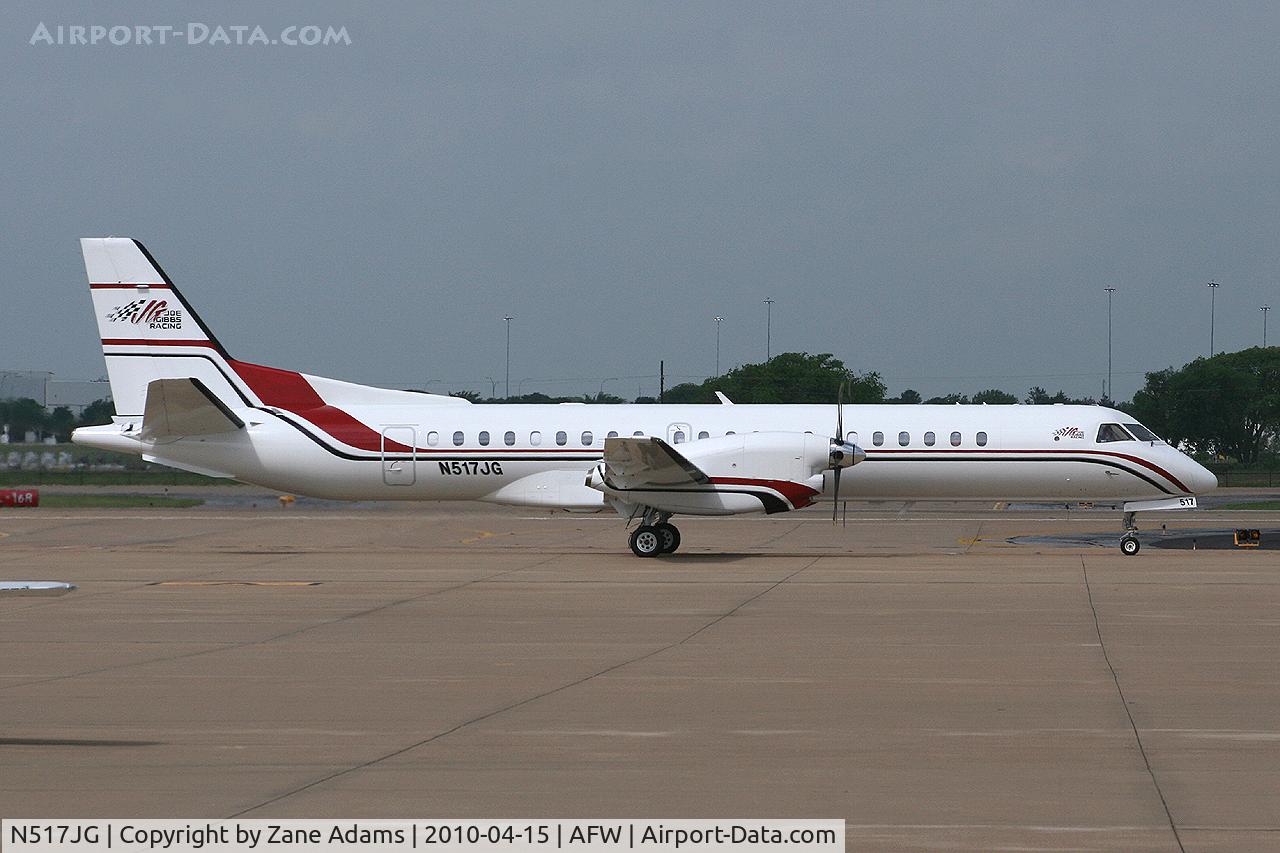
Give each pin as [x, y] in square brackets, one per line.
[936, 191]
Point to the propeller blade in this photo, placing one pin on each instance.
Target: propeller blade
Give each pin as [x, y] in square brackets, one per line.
[835, 497]
[840, 411]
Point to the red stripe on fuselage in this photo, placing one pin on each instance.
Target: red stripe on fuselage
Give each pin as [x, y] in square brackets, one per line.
[798, 494]
[1055, 451]
[291, 391]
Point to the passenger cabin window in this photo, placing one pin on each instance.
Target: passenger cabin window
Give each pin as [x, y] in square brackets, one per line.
[613, 433]
[851, 437]
[562, 438]
[678, 438]
[1141, 433]
[433, 438]
[638, 433]
[535, 438]
[704, 434]
[955, 439]
[929, 439]
[587, 438]
[730, 432]
[458, 438]
[509, 438]
[1112, 432]
[484, 438]
[982, 439]
[904, 438]
[877, 438]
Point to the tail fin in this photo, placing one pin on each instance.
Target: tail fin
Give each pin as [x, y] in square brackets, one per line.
[148, 330]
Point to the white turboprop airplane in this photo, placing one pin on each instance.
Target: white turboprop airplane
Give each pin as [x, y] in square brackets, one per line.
[183, 401]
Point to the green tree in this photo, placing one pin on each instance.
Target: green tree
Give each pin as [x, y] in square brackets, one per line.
[97, 413]
[23, 415]
[790, 377]
[948, 400]
[1228, 404]
[995, 396]
[60, 422]
[908, 397]
[1037, 396]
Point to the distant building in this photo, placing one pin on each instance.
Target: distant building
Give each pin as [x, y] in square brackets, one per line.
[39, 385]
[15, 384]
[75, 394]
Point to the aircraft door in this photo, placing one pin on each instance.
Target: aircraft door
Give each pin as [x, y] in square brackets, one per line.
[398, 468]
[678, 433]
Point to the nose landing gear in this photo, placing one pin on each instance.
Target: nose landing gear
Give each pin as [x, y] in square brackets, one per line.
[654, 536]
[1129, 544]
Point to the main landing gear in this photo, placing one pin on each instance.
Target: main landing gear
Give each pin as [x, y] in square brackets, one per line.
[1129, 544]
[654, 536]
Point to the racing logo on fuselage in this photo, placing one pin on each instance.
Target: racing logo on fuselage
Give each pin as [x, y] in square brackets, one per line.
[1068, 432]
[152, 313]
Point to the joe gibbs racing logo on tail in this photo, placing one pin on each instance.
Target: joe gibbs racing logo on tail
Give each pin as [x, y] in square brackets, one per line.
[152, 313]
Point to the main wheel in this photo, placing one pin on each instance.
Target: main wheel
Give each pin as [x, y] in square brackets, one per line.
[646, 541]
[1129, 546]
[670, 537]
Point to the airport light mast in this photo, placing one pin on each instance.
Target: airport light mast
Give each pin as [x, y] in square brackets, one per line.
[508, 318]
[1213, 294]
[718, 320]
[1110, 291]
[768, 328]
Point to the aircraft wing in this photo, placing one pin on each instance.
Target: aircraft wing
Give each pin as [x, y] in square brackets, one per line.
[632, 463]
[183, 407]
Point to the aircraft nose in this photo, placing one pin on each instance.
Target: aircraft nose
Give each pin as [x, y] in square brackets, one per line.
[1200, 478]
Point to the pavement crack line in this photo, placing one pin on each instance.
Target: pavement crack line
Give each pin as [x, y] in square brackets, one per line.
[782, 535]
[364, 765]
[281, 636]
[1142, 750]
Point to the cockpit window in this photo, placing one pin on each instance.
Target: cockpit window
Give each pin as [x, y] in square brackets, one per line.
[1112, 432]
[1141, 433]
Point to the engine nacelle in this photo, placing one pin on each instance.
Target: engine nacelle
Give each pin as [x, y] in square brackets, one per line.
[753, 472]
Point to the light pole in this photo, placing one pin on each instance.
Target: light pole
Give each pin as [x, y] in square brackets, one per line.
[768, 328]
[1264, 309]
[1213, 295]
[508, 318]
[1109, 290]
[719, 320]
[493, 387]
[602, 381]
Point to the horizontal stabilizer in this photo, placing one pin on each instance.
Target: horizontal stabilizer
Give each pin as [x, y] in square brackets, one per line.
[647, 462]
[184, 407]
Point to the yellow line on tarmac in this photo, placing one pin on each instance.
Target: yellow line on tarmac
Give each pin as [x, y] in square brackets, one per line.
[484, 534]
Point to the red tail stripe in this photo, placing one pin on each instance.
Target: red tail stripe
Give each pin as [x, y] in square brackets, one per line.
[146, 342]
